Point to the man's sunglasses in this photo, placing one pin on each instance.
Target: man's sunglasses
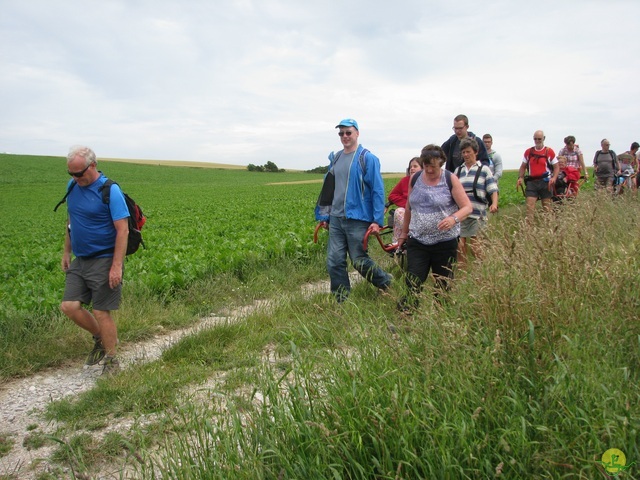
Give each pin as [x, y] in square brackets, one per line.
[347, 133]
[81, 173]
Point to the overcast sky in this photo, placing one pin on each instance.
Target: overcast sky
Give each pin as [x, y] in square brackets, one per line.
[251, 81]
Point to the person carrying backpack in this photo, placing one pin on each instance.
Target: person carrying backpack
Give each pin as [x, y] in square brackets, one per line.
[351, 203]
[436, 205]
[542, 165]
[482, 190]
[97, 235]
[605, 166]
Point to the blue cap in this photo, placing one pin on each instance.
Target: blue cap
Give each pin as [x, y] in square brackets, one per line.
[348, 122]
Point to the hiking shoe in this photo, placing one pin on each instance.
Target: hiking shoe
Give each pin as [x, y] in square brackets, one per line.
[97, 353]
[110, 366]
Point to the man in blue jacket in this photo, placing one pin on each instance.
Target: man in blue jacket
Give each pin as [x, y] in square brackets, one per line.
[352, 201]
[451, 146]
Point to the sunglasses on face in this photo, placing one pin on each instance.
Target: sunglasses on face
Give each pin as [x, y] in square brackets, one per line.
[80, 173]
[347, 133]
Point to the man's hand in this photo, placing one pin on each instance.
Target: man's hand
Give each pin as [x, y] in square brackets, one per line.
[374, 228]
[66, 261]
[115, 276]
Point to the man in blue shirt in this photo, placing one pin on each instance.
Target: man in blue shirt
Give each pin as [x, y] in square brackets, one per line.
[97, 236]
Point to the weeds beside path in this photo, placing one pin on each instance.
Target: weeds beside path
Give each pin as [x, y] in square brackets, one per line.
[24, 400]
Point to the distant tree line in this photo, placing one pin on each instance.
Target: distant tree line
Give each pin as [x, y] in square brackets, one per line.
[267, 167]
[324, 169]
[272, 167]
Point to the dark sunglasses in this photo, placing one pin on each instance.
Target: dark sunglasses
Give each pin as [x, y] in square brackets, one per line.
[81, 173]
[347, 133]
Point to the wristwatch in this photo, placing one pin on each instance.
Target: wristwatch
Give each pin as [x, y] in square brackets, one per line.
[455, 219]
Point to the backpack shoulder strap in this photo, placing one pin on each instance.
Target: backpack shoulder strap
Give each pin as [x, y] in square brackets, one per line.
[475, 183]
[334, 158]
[106, 191]
[447, 178]
[363, 162]
[415, 177]
[64, 199]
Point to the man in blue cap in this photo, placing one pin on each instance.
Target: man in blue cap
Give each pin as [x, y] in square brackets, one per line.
[351, 202]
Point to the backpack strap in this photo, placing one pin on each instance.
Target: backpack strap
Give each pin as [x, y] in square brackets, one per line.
[64, 199]
[106, 198]
[415, 178]
[106, 191]
[545, 156]
[475, 185]
[447, 178]
[363, 162]
[475, 181]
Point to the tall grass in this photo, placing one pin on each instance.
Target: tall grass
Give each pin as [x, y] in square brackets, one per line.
[530, 369]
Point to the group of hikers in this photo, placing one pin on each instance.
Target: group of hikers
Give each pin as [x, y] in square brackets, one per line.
[442, 206]
[442, 202]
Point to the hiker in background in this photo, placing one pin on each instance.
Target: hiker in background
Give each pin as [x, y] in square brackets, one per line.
[573, 155]
[479, 185]
[629, 162]
[435, 207]
[97, 235]
[494, 157]
[567, 183]
[350, 203]
[542, 165]
[451, 147]
[398, 196]
[605, 165]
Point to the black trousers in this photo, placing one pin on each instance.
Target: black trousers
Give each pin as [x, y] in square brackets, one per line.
[437, 258]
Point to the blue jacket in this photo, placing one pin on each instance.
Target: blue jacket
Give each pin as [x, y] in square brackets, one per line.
[364, 198]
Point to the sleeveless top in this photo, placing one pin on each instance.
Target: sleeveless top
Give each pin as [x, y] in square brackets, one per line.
[429, 206]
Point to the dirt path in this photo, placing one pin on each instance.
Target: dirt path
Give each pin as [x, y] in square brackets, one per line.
[22, 401]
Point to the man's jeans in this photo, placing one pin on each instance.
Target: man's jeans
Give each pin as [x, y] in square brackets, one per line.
[346, 236]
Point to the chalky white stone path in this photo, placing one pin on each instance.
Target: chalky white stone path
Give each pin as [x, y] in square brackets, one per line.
[23, 401]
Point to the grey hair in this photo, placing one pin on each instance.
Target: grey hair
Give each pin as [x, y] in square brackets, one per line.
[469, 142]
[84, 152]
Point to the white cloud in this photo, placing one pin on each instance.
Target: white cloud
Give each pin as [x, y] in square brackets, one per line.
[252, 81]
